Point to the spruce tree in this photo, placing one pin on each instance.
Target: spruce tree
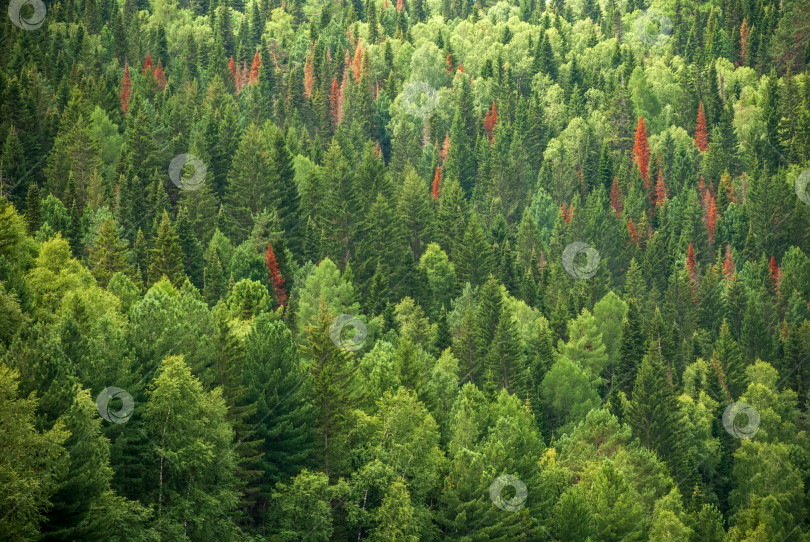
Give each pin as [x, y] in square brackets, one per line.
[108, 254]
[332, 370]
[475, 260]
[166, 255]
[631, 348]
[278, 386]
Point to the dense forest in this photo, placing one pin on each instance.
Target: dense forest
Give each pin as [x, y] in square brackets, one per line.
[282, 270]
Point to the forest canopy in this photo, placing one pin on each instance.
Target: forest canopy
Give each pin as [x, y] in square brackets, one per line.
[405, 270]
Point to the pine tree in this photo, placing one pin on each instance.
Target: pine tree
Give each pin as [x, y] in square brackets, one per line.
[140, 257]
[166, 256]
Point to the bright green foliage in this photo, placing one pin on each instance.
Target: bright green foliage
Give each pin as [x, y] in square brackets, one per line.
[420, 169]
[567, 393]
[191, 470]
[27, 480]
[325, 282]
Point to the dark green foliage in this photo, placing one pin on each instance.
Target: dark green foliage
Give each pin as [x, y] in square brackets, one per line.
[419, 169]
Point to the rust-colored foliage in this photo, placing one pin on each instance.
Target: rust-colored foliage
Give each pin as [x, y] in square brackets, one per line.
[641, 151]
[445, 148]
[711, 219]
[160, 76]
[728, 263]
[661, 192]
[437, 180]
[566, 213]
[335, 102]
[631, 229]
[616, 198]
[775, 272]
[254, 68]
[358, 58]
[147, 65]
[274, 276]
[744, 32]
[232, 75]
[701, 133]
[126, 90]
[490, 121]
[691, 264]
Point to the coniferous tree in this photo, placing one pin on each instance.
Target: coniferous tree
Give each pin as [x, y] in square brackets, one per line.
[108, 254]
[191, 247]
[631, 348]
[166, 255]
[475, 260]
[332, 370]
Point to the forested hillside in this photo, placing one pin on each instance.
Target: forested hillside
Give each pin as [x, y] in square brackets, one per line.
[405, 270]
